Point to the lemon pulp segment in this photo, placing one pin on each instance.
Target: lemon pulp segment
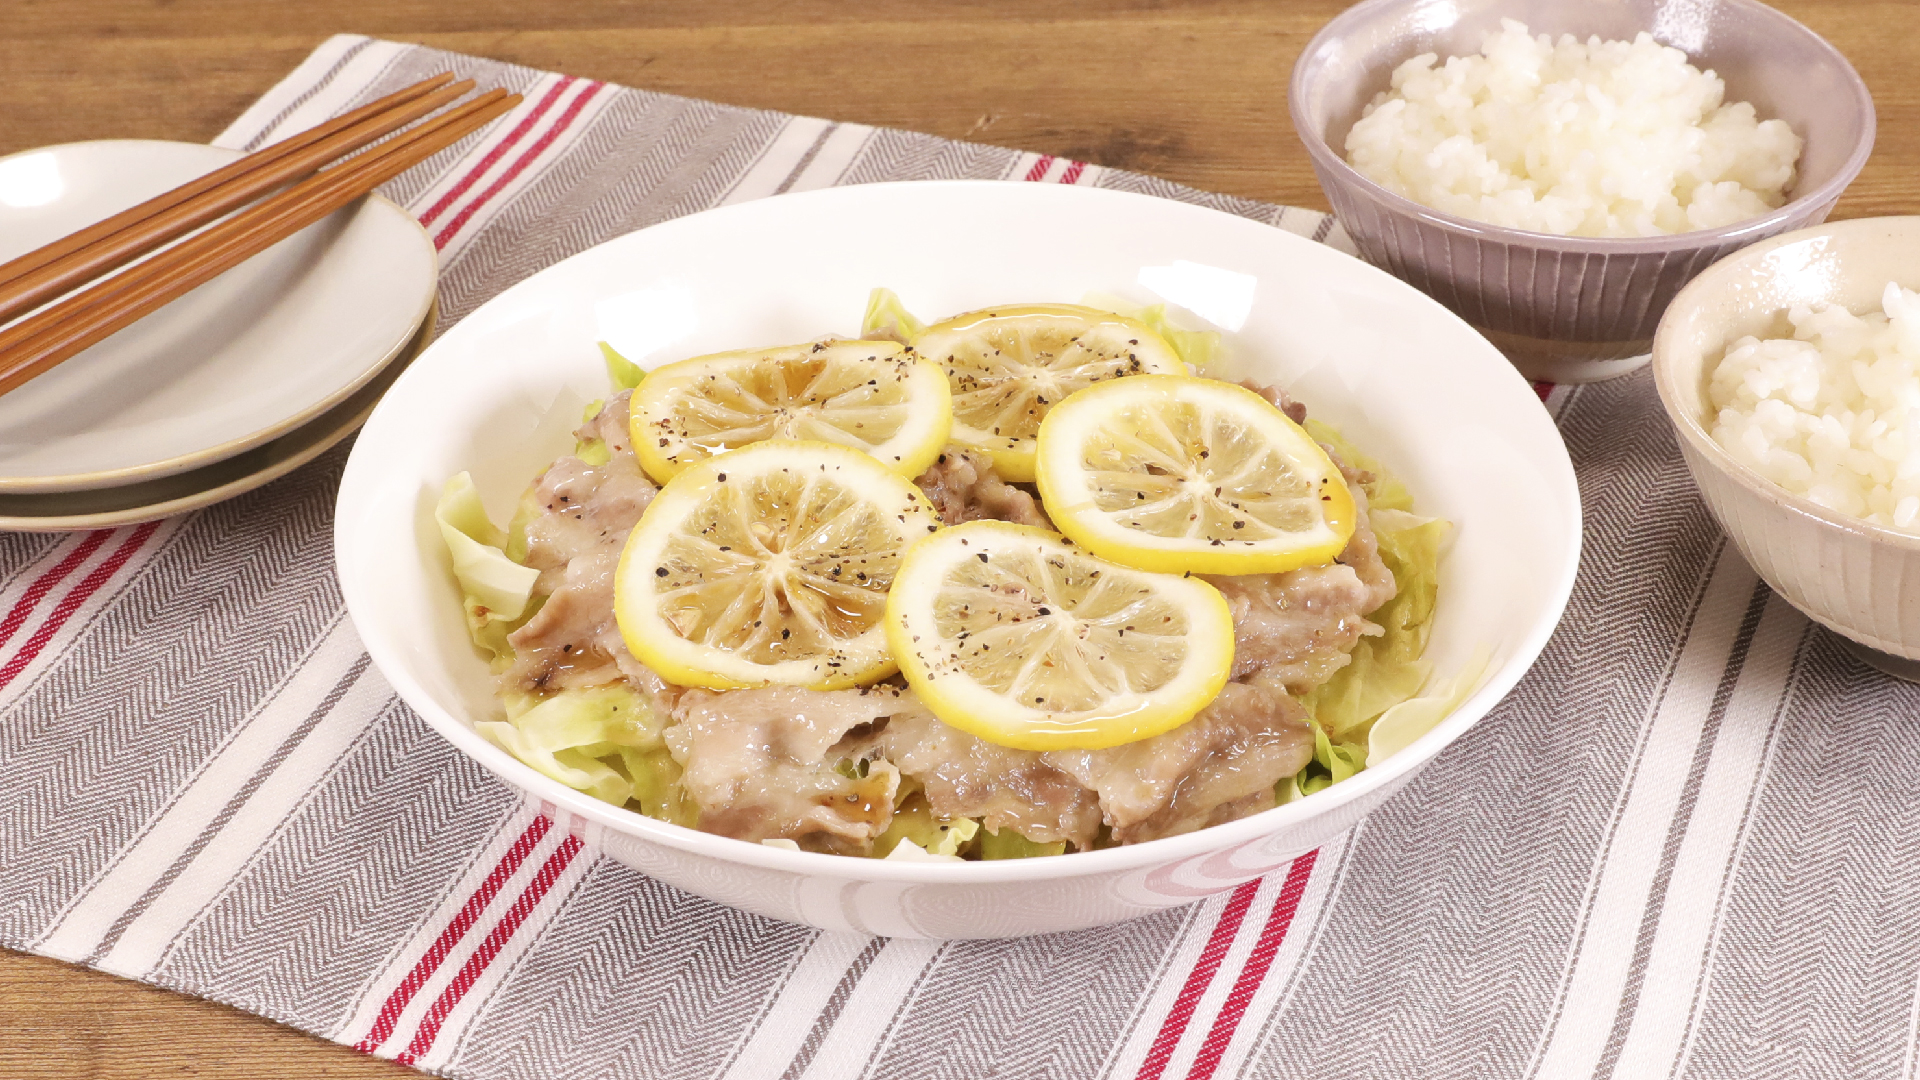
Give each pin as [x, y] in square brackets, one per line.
[872, 396]
[769, 565]
[1008, 365]
[1180, 474]
[1012, 634]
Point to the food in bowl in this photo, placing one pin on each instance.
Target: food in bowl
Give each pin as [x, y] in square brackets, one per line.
[1833, 412]
[1574, 138]
[768, 598]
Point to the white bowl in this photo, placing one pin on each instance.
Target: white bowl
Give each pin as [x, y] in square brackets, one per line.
[1856, 578]
[1400, 375]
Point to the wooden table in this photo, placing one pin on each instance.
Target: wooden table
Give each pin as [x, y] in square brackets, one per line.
[1193, 90]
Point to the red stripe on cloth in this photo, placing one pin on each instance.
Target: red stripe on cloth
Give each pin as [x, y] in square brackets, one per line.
[42, 585]
[451, 934]
[1175, 1025]
[1040, 167]
[1255, 969]
[499, 151]
[75, 597]
[1074, 169]
[476, 964]
[560, 125]
[1543, 388]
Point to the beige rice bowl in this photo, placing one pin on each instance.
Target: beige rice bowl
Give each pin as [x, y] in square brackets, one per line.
[1594, 138]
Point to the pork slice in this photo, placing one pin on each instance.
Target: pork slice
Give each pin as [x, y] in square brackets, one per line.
[1363, 547]
[1007, 788]
[1295, 411]
[1221, 765]
[584, 515]
[963, 486]
[1363, 550]
[1301, 626]
[760, 763]
[1298, 627]
[572, 640]
[583, 508]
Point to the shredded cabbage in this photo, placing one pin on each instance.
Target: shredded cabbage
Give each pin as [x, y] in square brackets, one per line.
[1398, 727]
[592, 451]
[495, 591]
[914, 823]
[1200, 350]
[1386, 672]
[1388, 669]
[1332, 762]
[1008, 844]
[523, 515]
[624, 373]
[908, 851]
[1384, 491]
[603, 740]
[887, 319]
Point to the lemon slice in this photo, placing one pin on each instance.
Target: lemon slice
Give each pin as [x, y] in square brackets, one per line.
[1180, 474]
[1007, 366]
[873, 396]
[769, 565]
[1012, 634]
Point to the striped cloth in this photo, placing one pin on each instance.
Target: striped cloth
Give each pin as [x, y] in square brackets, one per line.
[1684, 847]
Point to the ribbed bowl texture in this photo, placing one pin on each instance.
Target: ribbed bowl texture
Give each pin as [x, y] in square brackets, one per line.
[1565, 308]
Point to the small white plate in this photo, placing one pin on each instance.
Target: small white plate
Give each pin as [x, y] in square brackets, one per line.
[150, 500]
[239, 361]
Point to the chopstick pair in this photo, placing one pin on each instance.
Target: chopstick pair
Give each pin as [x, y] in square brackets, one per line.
[35, 344]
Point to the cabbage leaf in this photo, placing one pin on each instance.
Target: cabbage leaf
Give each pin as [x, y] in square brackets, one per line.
[603, 740]
[1384, 491]
[1201, 350]
[1388, 669]
[1009, 844]
[624, 373]
[914, 822]
[496, 592]
[887, 319]
[1332, 762]
[592, 451]
[1386, 672]
[1398, 727]
[905, 850]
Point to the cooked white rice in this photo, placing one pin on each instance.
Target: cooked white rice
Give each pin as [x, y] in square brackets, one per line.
[1594, 138]
[1832, 413]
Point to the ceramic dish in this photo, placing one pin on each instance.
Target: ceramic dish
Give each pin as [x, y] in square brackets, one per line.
[1413, 384]
[148, 500]
[242, 360]
[1572, 309]
[1857, 578]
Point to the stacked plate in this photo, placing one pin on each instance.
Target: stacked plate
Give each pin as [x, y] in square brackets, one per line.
[238, 382]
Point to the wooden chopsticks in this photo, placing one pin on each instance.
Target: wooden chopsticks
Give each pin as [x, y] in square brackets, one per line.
[36, 343]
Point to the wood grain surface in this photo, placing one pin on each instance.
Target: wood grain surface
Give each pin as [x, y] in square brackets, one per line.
[1192, 90]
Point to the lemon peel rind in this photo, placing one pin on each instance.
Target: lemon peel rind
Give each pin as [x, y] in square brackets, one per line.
[909, 453]
[965, 704]
[1069, 499]
[655, 643]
